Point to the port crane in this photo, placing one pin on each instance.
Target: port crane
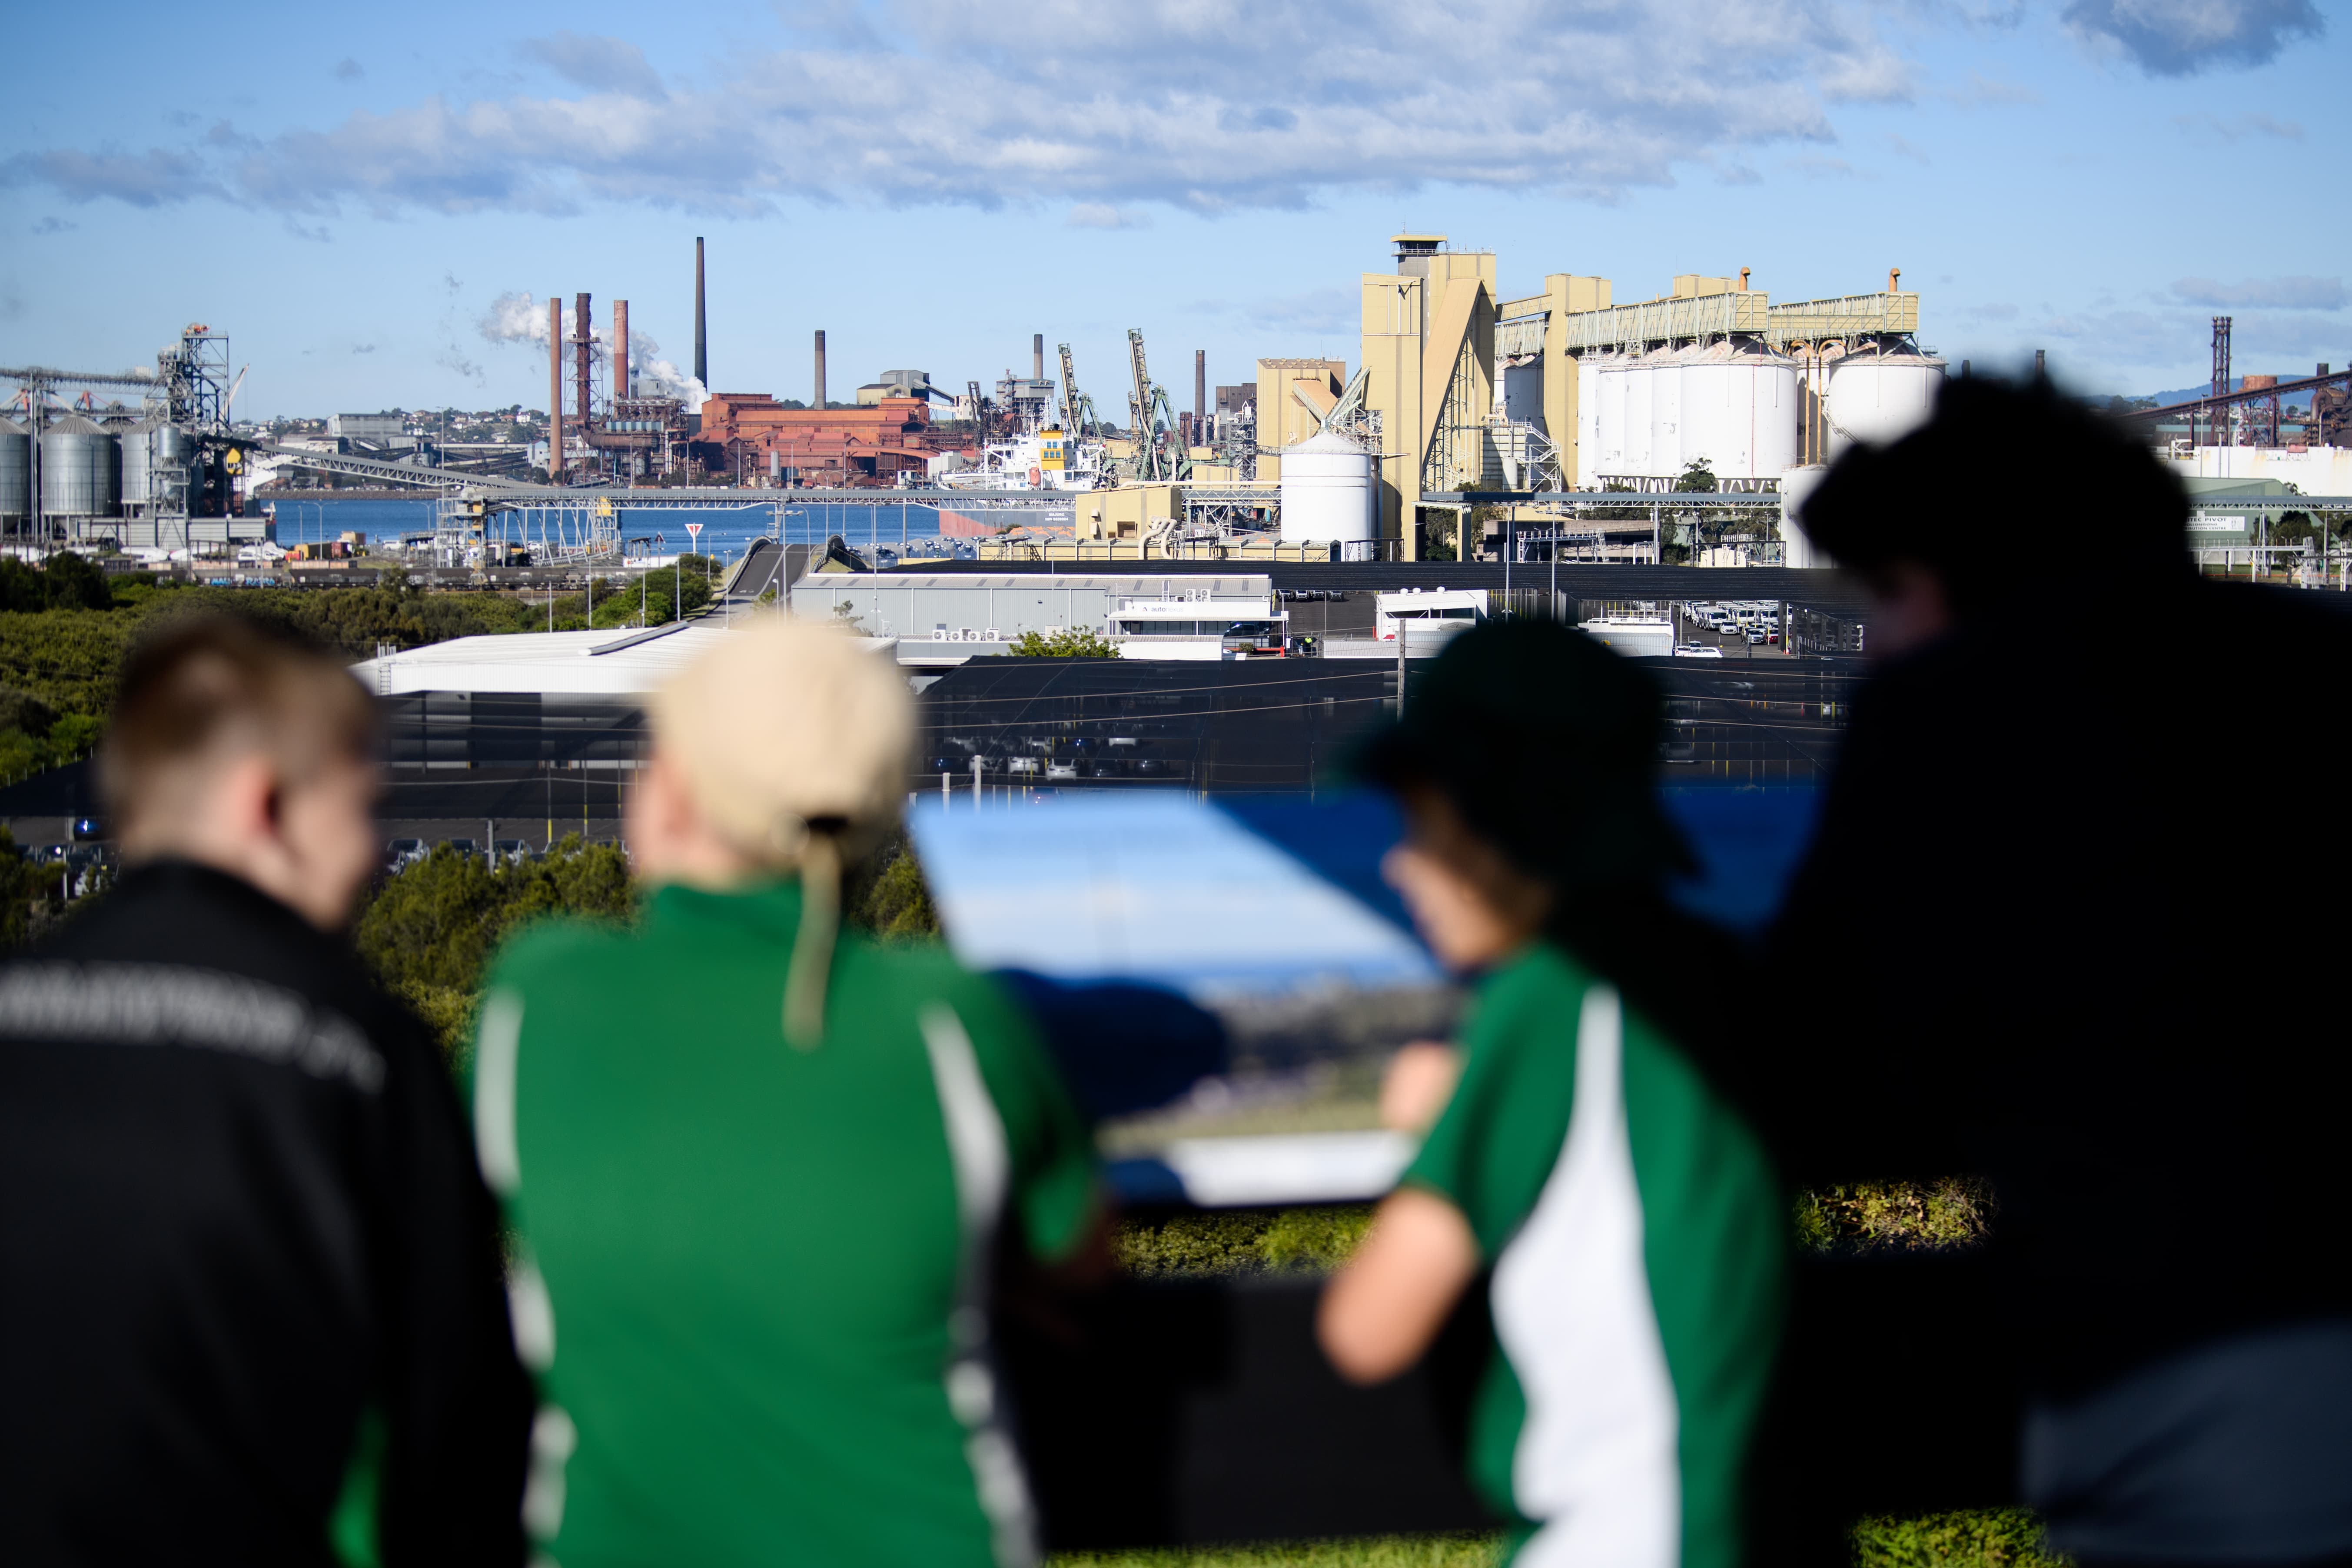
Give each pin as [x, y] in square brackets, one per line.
[1158, 460]
[1078, 416]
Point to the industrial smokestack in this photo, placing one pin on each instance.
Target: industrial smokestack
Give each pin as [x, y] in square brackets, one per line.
[584, 348]
[1200, 388]
[1037, 357]
[818, 402]
[701, 327]
[620, 350]
[554, 390]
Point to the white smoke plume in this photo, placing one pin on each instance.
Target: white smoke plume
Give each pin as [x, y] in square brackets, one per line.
[517, 318]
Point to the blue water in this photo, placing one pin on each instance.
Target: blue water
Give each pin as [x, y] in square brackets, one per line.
[724, 531]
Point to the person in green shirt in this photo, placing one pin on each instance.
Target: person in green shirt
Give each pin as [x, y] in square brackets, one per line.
[757, 1166]
[1631, 1221]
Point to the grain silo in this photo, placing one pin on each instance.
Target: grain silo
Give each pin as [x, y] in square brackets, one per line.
[1327, 491]
[81, 470]
[15, 473]
[1879, 390]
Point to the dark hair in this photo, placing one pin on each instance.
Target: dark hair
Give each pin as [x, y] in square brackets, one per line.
[1547, 745]
[1996, 462]
[207, 683]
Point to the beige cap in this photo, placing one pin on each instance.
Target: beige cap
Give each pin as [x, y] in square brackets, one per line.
[786, 724]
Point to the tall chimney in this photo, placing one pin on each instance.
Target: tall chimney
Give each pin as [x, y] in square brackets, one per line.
[1200, 388]
[584, 348]
[701, 333]
[1037, 357]
[554, 390]
[819, 401]
[620, 350]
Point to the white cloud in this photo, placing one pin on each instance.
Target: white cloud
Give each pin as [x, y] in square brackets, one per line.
[1206, 105]
[2180, 38]
[2295, 294]
[1102, 214]
[597, 63]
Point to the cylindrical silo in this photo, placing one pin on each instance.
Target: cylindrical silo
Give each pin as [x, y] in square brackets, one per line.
[170, 456]
[1879, 391]
[1634, 461]
[1796, 545]
[1326, 490]
[138, 463]
[1739, 410]
[81, 470]
[1609, 380]
[1588, 421]
[15, 472]
[1666, 411]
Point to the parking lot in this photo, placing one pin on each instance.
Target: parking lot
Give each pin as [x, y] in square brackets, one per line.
[1734, 628]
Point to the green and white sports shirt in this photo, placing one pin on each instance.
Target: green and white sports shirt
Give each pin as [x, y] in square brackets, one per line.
[752, 1277]
[1636, 1239]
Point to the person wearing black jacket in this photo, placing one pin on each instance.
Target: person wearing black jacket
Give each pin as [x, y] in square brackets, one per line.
[253, 1310]
[2053, 933]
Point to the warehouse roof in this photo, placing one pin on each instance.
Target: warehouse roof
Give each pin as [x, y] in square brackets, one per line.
[599, 663]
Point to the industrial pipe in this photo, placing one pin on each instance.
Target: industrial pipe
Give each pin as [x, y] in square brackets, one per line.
[818, 402]
[701, 333]
[620, 350]
[554, 390]
[583, 328]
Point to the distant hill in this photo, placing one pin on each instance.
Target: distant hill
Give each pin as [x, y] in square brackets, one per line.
[2190, 394]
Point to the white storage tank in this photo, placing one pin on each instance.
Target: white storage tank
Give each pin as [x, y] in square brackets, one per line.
[1739, 410]
[1327, 491]
[81, 470]
[1633, 458]
[1608, 416]
[1587, 422]
[1797, 547]
[1666, 367]
[16, 471]
[1880, 390]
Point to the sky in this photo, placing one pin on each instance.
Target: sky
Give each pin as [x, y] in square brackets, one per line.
[375, 205]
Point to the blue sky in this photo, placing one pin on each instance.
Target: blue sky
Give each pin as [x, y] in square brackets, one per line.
[350, 192]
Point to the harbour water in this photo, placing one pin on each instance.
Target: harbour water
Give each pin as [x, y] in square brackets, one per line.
[725, 529]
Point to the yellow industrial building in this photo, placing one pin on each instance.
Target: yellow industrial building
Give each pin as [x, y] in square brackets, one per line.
[1466, 393]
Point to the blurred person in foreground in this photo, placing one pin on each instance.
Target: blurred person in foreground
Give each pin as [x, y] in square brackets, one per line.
[1632, 1224]
[763, 1167]
[2023, 928]
[251, 1267]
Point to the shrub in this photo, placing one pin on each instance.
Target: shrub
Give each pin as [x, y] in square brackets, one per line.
[1068, 642]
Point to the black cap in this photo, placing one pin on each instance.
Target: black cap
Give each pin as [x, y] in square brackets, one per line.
[2000, 464]
[1547, 744]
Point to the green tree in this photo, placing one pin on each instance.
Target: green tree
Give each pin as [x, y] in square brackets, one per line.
[1696, 478]
[21, 883]
[1065, 642]
[887, 895]
[429, 931]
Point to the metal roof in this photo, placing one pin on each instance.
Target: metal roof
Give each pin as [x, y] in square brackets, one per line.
[586, 664]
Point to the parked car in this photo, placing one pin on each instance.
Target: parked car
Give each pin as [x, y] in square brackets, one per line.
[402, 853]
[1699, 650]
[465, 848]
[509, 852]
